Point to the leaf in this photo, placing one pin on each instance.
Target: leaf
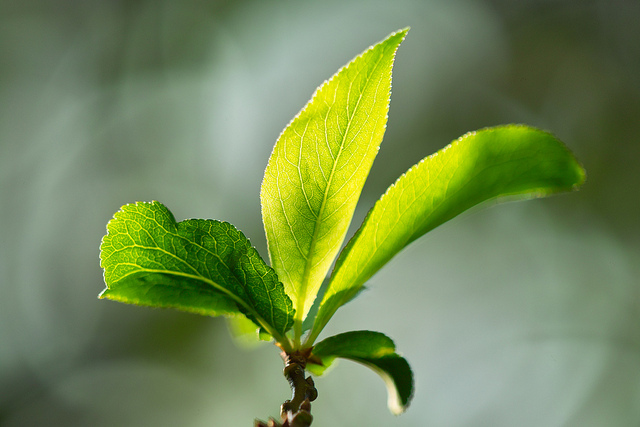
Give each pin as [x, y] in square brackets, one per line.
[492, 163]
[376, 351]
[201, 266]
[318, 167]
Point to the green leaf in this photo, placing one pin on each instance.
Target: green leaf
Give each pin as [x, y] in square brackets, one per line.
[376, 351]
[494, 163]
[318, 167]
[201, 266]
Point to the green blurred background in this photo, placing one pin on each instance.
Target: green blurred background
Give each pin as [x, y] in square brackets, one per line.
[526, 314]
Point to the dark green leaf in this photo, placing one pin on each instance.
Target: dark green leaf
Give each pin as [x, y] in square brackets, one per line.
[376, 351]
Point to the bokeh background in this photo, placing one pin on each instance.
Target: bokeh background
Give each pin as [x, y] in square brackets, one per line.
[523, 314]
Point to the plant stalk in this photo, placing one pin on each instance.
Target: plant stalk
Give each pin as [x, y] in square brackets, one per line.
[297, 411]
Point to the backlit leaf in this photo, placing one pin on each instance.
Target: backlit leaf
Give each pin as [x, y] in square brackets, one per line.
[504, 162]
[318, 167]
[200, 266]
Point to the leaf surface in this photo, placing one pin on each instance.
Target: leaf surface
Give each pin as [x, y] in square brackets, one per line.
[511, 161]
[317, 169]
[202, 266]
[376, 351]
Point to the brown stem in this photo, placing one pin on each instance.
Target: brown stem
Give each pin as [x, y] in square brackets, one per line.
[297, 411]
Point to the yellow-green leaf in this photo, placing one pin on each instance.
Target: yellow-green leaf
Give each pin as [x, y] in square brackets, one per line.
[512, 161]
[318, 168]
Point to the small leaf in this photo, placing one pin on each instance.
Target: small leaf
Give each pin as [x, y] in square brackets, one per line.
[504, 162]
[376, 351]
[201, 266]
[317, 169]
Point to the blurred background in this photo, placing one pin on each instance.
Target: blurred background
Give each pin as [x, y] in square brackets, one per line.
[524, 314]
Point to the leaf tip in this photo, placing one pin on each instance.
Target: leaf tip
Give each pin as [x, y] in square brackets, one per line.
[404, 31]
[399, 381]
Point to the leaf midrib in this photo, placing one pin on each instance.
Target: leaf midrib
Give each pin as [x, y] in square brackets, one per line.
[435, 206]
[213, 284]
[182, 274]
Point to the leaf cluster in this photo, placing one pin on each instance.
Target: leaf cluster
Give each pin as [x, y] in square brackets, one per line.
[311, 186]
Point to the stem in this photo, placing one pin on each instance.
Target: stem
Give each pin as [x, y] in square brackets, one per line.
[297, 332]
[311, 338]
[283, 342]
[297, 411]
